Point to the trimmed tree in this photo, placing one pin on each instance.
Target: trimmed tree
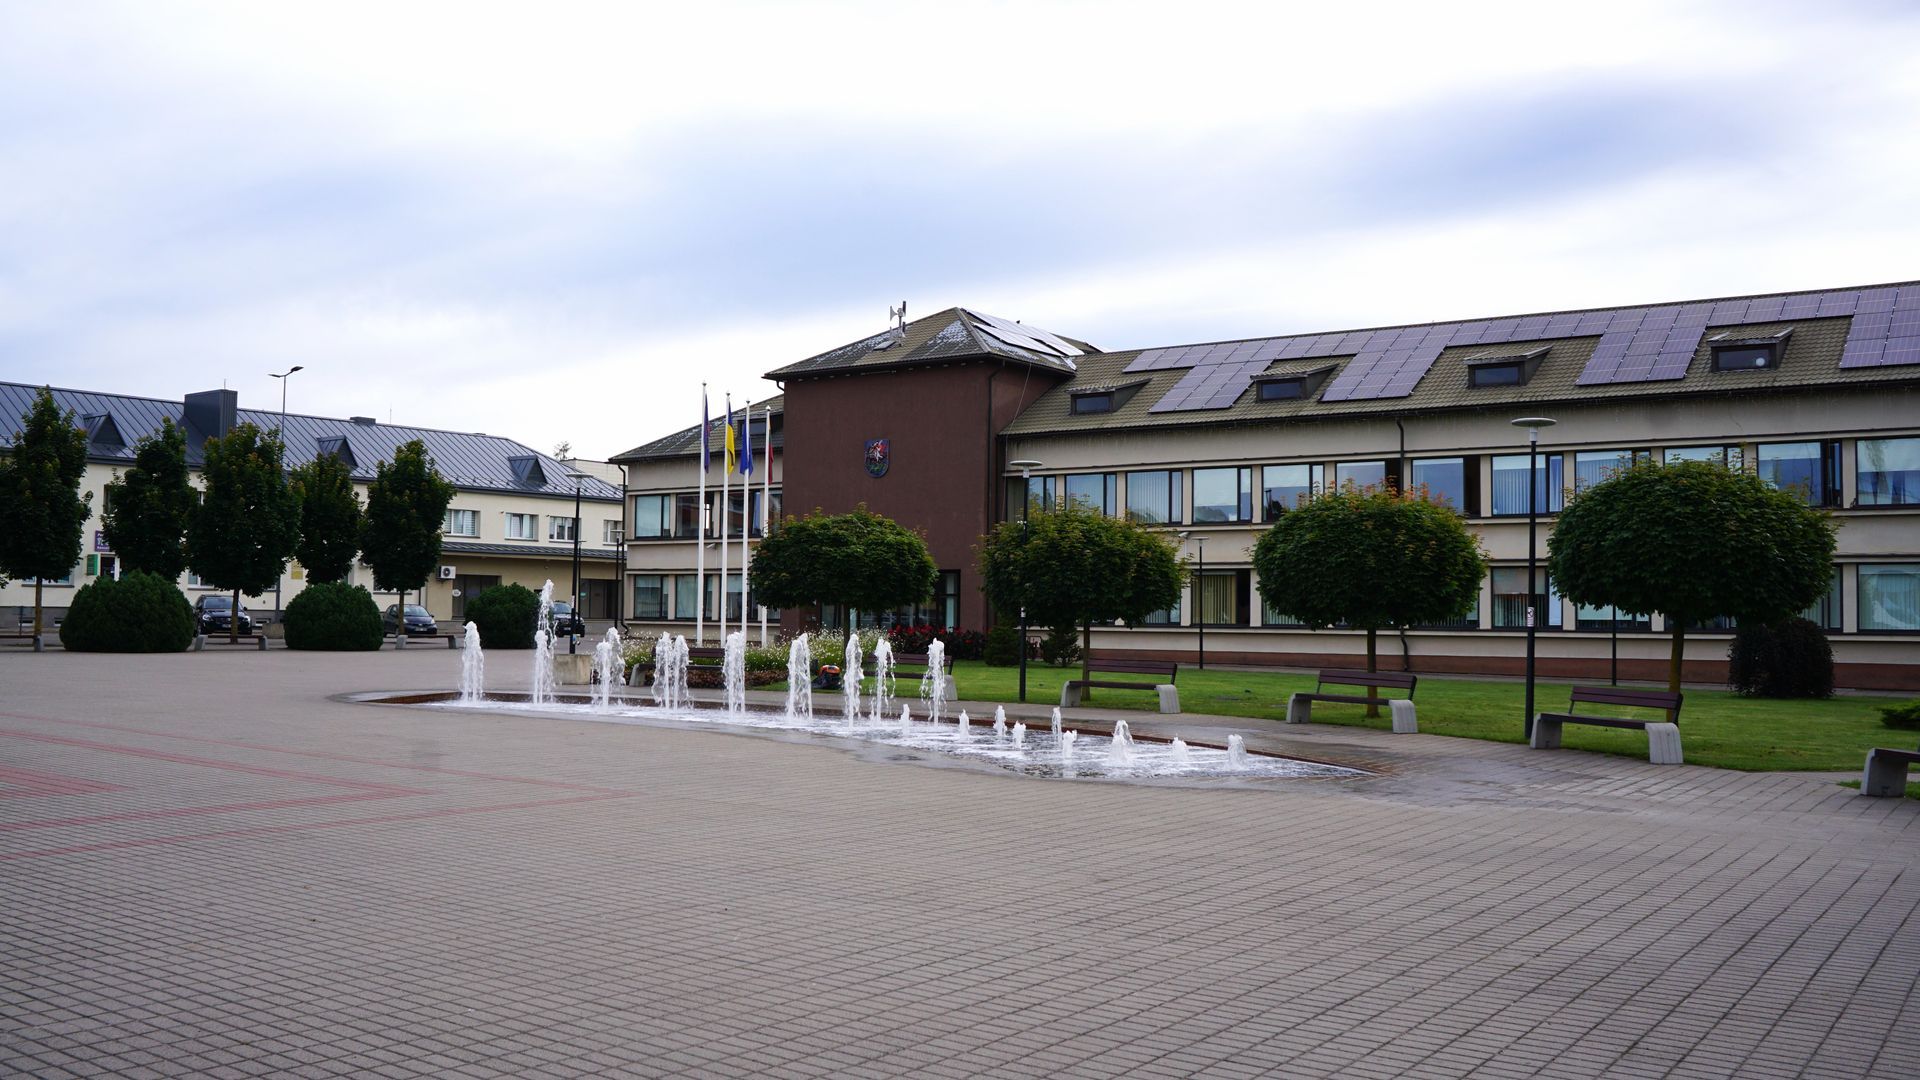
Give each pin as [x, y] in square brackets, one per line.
[330, 519]
[406, 506]
[1694, 540]
[149, 508]
[248, 521]
[1075, 567]
[40, 501]
[860, 560]
[1371, 559]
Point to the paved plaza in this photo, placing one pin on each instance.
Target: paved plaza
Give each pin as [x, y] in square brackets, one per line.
[211, 866]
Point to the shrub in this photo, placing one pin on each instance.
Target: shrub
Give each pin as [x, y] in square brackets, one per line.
[334, 616]
[505, 615]
[960, 644]
[1061, 646]
[139, 613]
[1002, 648]
[1901, 717]
[1786, 659]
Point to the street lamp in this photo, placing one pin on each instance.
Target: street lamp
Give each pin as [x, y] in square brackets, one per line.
[1533, 424]
[280, 433]
[1200, 599]
[573, 639]
[1026, 467]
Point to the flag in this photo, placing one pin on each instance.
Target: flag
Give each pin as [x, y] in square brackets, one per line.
[746, 442]
[706, 452]
[730, 446]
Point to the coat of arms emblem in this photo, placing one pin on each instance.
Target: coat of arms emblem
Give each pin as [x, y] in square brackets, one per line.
[879, 456]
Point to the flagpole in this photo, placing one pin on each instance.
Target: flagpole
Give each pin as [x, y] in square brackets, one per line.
[746, 511]
[700, 531]
[766, 510]
[726, 466]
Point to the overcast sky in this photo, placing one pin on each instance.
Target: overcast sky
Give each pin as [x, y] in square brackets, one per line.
[553, 221]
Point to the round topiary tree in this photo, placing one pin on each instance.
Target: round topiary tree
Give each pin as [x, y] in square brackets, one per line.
[141, 612]
[859, 559]
[334, 616]
[1693, 540]
[1791, 658]
[505, 615]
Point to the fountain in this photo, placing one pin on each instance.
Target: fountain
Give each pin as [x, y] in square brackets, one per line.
[882, 678]
[966, 732]
[606, 666]
[1180, 756]
[799, 678]
[1237, 759]
[543, 680]
[850, 677]
[1121, 753]
[1067, 739]
[933, 685]
[670, 673]
[1000, 721]
[473, 668]
[1056, 721]
[733, 671]
[906, 718]
[1019, 735]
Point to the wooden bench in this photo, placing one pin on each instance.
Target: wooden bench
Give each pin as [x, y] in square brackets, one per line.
[1405, 720]
[1663, 736]
[453, 640]
[641, 673]
[1166, 671]
[200, 641]
[1886, 772]
[919, 660]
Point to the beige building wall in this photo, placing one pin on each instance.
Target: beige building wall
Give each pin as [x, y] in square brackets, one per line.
[679, 557]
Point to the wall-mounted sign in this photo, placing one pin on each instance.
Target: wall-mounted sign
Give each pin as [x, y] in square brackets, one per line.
[100, 541]
[879, 456]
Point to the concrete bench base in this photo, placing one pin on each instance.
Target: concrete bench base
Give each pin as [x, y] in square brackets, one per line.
[1072, 693]
[1406, 719]
[1885, 776]
[1663, 740]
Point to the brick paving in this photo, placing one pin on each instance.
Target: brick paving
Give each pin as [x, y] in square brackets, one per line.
[211, 866]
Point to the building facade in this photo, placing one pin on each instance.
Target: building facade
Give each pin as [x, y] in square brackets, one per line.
[510, 521]
[1817, 392]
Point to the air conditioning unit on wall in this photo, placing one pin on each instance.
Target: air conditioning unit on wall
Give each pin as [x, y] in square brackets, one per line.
[447, 573]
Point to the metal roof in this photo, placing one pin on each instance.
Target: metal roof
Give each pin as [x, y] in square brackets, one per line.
[469, 460]
[951, 334]
[524, 551]
[686, 441]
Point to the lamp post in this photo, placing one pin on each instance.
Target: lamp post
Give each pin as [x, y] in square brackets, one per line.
[1026, 467]
[1200, 599]
[1533, 424]
[280, 433]
[573, 639]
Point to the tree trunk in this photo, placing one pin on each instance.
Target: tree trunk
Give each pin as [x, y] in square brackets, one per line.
[36, 606]
[1679, 653]
[233, 620]
[1086, 660]
[1373, 665]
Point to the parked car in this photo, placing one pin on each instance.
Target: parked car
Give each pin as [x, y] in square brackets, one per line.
[417, 619]
[565, 621]
[213, 614]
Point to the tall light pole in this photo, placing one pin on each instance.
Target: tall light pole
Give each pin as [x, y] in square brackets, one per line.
[280, 433]
[1200, 599]
[1533, 424]
[1026, 467]
[579, 619]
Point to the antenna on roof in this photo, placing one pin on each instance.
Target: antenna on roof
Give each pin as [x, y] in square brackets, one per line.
[897, 318]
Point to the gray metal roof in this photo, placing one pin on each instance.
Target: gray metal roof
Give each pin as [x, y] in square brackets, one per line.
[527, 550]
[945, 335]
[469, 460]
[686, 441]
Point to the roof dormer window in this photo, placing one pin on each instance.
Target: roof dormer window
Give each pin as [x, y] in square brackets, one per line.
[1731, 353]
[1503, 369]
[1290, 385]
[1092, 400]
[1101, 402]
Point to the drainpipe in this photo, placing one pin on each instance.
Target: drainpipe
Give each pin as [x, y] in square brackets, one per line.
[993, 464]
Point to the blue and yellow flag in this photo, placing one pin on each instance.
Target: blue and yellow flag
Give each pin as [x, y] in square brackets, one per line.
[731, 462]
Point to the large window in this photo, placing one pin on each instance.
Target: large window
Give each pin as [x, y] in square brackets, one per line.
[1510, 484]
[1038, 494]
[1164, 617]
[1808, 469]
[1222, 495]
[1469, 621]
[611, 531]
[522, 526]
[1284, 487]
[1606, 618]
[1889, 596]
[1510, 600]
[1154, 498]
[1717, 455]
[650, 596]
[1366, 474]
[941, 611]
[686, 596]
[1220, 597]
[560, 528]
[771, 518]
[1591, 467]
[736, 514]
[686, 515]
[1096, 491]
[1446, 481]
[652, 516]
[1825, 612]
[462, 523]
[1889, 472]
[733, 596]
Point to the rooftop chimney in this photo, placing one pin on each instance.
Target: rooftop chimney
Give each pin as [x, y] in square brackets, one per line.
[210, 413]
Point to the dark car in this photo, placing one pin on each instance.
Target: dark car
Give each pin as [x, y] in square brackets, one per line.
[418, 621]
[565, 621]
[214, 615]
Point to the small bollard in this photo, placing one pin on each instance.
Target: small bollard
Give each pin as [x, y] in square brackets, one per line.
[199, 643]
[39, 643]
[399, 641]
[263, 642]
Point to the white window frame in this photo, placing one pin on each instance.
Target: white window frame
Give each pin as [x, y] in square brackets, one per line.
[523, 526]
[470, 517]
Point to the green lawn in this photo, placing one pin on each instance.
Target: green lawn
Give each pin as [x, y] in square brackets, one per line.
[1716, 727]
